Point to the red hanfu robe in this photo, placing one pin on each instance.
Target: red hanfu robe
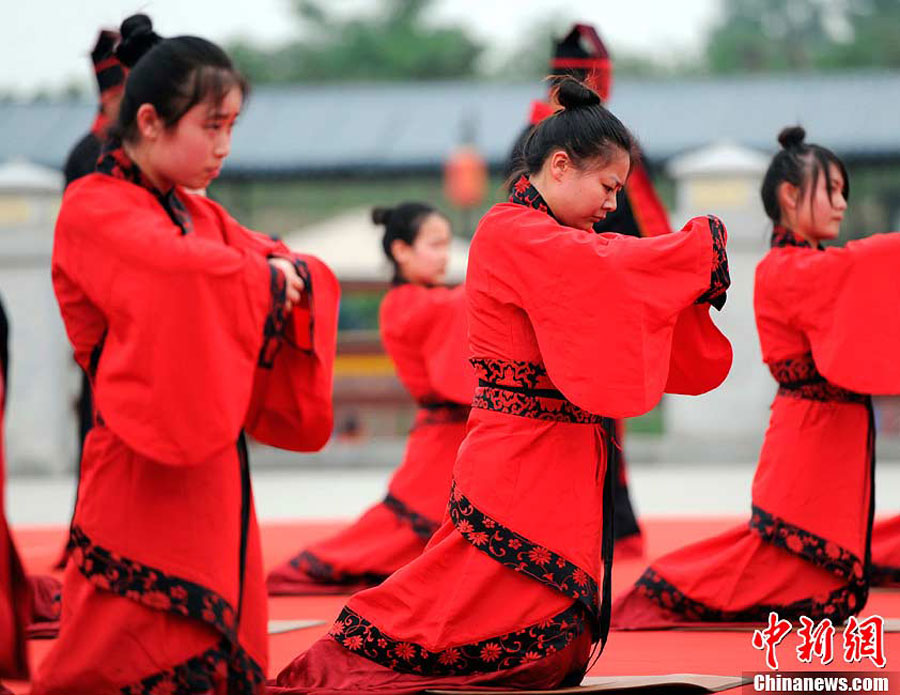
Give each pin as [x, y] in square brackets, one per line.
[424, 332]
[174, 311]
[829, 334]
[886, 552]
[508, 591]
[15, 599]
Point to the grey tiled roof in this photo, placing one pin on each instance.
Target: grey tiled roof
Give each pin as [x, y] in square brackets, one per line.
[306, 129]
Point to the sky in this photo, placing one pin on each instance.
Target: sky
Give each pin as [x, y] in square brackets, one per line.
[46, 43]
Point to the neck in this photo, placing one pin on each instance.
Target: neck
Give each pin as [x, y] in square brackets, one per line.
[540, 182]
[139, 155]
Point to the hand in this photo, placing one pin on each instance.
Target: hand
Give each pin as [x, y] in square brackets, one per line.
[294, 283]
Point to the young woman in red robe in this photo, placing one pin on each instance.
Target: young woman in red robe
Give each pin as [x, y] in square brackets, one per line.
[829, 334]
[423, 329]
[508, 591]
[15, 594]
[194, 330]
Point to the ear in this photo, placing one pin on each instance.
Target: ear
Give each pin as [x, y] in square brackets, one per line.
[150, 126]
[788, 197]
[400, 250]
[558, 164]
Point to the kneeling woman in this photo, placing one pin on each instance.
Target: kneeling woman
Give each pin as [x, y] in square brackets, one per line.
[423, 328]
[508, 590]
[829, 334]
[192, 329]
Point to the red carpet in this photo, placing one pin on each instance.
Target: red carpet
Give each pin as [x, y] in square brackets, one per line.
[630, 653]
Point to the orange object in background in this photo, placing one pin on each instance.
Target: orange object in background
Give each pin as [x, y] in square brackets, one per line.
[465, 177]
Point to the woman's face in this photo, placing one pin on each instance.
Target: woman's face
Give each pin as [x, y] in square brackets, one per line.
[424, 262]
[582, 196]
[818, 215]
[191, 153]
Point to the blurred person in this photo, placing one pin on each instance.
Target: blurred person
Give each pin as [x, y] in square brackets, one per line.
[423, 329]
[639, 212]
[511, 591]
[829, 334]
[193, 330]
[15, 593]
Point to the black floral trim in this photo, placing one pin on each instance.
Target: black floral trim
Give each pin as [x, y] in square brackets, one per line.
[798, 377]
[524, 389]
[515, 551]
[524, 193]
[204, 673]
[720, 280]
[885, 575]
[324, 573]
[421, 525]
[114, 162]
[154, 588]
[276, 320]
[358, 635]
[782, 237]
[839, 604]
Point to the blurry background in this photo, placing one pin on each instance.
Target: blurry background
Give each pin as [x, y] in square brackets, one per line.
[364, 102]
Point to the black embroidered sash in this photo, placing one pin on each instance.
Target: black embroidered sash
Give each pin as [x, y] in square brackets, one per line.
[161, 591]
[524, 389]
[356, 634]
[114, 162]
[798, 377]
[440, 413]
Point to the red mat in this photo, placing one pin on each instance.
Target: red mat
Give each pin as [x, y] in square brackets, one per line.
[635, 653]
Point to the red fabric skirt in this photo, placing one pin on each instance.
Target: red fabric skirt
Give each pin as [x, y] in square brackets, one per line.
[107, 643]
[886, 552]
[803, 551]
[391, 533]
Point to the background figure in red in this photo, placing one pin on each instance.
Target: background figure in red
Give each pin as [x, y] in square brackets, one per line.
[829, 331]
[423, 329]
[639, 212]
[886, 552]
[193, 330]
[15, 594]
[513, 588]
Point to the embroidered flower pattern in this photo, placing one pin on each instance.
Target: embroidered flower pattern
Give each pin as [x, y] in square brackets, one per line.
[421, 525]
[798, 377]
[720, 280]
[324, 573]
[491, 655]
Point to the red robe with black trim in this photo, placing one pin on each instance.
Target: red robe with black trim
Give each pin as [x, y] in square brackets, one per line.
[830, 333]
[174, 311]
[508, 591]
[15, 596]
[423, 329]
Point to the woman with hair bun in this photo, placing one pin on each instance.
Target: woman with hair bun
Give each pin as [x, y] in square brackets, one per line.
[423, 328]
[193, 330]
[508, 591]
[829, 333]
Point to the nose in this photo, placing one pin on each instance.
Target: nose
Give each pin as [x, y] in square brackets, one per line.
[611, 203]
[223, 145]
[840, 203]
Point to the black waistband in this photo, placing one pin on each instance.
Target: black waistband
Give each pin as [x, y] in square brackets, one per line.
[798, 377]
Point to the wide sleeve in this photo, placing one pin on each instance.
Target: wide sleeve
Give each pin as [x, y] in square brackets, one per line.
[847, 303]
[184, 321]
[291, 404]
[433, 322]
[605, 308]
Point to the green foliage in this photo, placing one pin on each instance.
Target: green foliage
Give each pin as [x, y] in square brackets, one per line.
[394, 44]
[792, 35]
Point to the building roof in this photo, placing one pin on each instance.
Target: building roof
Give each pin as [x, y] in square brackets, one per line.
[394, 127]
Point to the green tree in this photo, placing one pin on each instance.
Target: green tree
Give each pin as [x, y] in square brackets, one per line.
[394, 44]
[779, 35]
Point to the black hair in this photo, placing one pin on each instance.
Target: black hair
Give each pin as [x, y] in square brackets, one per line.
[583, 128]
[401, 222]
[173, 75]
[799, 163]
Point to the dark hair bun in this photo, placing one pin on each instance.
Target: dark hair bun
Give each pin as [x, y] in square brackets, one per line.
[792, 136]
[572, 94]
[382, 216]
[138, 37]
